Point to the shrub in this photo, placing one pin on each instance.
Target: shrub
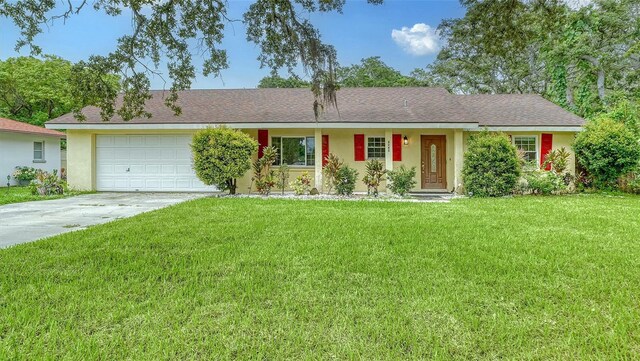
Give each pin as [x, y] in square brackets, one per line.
[282, 175]
[46, 183]
[607, 150]
[330, 171]
[402, 180]
[25, 174]
[541, 182]
[491, 165]
[631, 183]
[374, 171]
[221, 155]
[263, 176]
[302, 184]
[346, 180]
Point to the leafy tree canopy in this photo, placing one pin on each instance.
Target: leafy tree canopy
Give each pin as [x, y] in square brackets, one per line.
[35, 90]
[371, 72]
[167, 30]
[276, 81]
[575, 57]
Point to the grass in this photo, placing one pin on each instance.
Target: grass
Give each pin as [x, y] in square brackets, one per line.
[519, 278]
[23, 194]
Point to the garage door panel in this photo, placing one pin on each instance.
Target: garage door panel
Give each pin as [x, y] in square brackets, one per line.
[120, 140]
[146, 163]
[104, 141]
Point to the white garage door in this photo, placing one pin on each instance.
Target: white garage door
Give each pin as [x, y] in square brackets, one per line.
[152, 163]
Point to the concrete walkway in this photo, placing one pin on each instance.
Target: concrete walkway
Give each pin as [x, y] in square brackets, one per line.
[29, 221]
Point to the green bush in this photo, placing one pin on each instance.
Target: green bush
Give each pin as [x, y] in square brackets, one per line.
[374, 172]
[221, 155]
[540, 182]
[346, 180]
[631, 183]
[491, 165]
[401, 180]
[607, 150]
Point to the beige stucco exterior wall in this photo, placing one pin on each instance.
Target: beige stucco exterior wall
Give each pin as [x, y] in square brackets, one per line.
[81, 151]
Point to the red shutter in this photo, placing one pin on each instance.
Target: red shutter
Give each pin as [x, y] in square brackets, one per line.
[325, 149]
[545, 148]
[358, 147]
[396, 141]
[263, 141]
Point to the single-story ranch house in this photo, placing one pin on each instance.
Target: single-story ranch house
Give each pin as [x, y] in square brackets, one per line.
[26, 145]
[423, 127]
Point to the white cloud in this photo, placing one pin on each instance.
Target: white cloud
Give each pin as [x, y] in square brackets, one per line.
[420, 39]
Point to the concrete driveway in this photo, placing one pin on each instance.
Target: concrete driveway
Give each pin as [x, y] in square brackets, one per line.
[29, 221]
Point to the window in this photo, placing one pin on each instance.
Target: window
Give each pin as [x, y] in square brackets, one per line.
[295, 150]
[38, 151]
[529, 147]
[375, 147]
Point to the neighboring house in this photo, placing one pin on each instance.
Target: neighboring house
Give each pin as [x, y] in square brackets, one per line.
[426, 128]
[23, 144]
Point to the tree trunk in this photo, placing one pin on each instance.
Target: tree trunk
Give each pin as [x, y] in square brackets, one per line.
[601, 75]
[569, 95]
[232, 184]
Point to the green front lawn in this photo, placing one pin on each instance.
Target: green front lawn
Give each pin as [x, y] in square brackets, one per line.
[519, 278]
[23, 194]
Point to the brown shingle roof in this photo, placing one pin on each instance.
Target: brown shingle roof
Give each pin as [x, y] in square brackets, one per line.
[13, 126]
[357, 105]
[517, 110]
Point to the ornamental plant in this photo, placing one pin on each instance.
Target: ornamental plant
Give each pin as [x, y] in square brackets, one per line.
[346, 180]
[374, 172]
[221, 155]
[491, 165]
[607, 150]
[282, 176]
[330, 171]
[263, 176]
[402, 180]
[302, 184]
[25, 174]
[46, 183]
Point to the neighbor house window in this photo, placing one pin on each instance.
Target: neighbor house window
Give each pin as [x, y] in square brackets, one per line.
[529, 147]
[38, 151]
[375, 147]
[294, 150]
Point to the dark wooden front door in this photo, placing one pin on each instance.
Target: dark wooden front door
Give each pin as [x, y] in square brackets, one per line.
[434, 162]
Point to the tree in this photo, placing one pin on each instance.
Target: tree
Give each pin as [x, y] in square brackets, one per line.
[35, 90]
[574, 57]
[164, 30]
[220, 155]
[276, 81]
[371, 72]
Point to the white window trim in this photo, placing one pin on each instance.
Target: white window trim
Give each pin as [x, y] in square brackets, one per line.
[366, 146]
[43, 159]
[305, 150]
[513, 141]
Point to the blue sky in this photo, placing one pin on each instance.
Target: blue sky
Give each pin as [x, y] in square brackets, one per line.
[362, 30]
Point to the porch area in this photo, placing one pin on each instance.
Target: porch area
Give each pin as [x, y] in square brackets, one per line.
[436, 153]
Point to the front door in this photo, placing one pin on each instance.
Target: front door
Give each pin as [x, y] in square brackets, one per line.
[433, 165]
